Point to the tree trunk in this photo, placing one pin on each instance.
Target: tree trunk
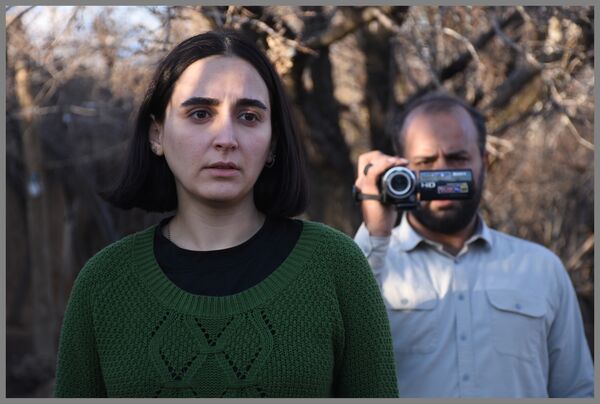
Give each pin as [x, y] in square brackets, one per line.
[327, 151]
[379, 97]
[44, 325]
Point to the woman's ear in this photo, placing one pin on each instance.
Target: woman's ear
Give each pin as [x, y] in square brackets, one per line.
[271, 156]
[155, 137]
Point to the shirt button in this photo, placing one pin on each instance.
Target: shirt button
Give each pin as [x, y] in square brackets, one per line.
[404, 301]
[461, 297]
[463, 337]
[465, 378]
[518, 306]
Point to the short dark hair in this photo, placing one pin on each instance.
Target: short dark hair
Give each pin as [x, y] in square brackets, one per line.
[148, 183]
[432, 102]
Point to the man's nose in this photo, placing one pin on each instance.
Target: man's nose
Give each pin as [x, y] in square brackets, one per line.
[440, 163]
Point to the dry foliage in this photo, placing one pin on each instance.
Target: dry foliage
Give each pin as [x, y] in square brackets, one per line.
[346, 69]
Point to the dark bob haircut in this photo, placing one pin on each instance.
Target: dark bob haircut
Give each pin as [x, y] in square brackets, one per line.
[436, 101]
[148, 183]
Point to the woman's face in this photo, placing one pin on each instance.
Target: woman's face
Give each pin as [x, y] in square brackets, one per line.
[216, 134]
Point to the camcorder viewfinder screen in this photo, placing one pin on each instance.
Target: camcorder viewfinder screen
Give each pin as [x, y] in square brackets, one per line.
[446, 184]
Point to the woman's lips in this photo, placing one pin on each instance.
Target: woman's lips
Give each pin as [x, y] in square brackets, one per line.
[223, 169]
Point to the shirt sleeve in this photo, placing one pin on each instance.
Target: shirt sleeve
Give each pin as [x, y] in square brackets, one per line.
[78, 372]
[571, 367]
[367, 367]
[373, 248]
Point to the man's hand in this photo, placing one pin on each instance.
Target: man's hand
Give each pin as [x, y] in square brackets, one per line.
[379, 219]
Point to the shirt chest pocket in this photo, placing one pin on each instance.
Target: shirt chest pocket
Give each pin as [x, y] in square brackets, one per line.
[414, 317]
[517, 322]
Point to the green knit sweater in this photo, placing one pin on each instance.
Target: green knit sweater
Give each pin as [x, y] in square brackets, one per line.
[315, 327]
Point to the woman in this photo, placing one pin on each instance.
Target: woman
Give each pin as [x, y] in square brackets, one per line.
[230, 297]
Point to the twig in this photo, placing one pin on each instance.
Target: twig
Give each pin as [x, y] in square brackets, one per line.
[575, 259]
[479, 67]
[519, 49]
[422, 51]
[573, 130]
[19, 16]
[549, 81]
[53, 109]
[498, 147]
[336, 32]
[87, 159]
[264, 27]
[383, 19]
[514, 121]
[397, 49]
[566, 119]
[229, 14]
[468, 44]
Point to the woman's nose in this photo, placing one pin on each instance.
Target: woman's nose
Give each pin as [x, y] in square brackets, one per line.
[225, 137]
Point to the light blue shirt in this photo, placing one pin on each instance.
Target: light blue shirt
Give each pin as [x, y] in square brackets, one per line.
[499, 319]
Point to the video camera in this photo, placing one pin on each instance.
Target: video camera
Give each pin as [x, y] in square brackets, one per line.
[399, 186]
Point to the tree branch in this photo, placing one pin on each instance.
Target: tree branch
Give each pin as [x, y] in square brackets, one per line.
[345, 26]
[460, 63]
[19, 16]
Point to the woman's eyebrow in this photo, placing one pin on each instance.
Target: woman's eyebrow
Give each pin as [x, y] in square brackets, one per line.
[250, 102]
[194, 101]
[205, 101]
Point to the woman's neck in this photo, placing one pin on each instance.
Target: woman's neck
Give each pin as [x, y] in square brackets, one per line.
[204, 228]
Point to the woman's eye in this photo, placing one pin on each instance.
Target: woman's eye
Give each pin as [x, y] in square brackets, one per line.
[249, 117]
[200, 115]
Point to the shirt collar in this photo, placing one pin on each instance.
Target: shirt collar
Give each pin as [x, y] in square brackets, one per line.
[409, 238]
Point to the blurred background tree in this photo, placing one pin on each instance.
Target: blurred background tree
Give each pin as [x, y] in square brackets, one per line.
[75, 76]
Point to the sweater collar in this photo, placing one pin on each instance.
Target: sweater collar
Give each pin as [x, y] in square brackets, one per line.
[177, 299]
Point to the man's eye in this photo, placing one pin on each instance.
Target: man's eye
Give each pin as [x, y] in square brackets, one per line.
[460, 159]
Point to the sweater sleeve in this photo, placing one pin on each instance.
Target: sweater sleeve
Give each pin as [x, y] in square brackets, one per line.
[367, 367]
[78, 372]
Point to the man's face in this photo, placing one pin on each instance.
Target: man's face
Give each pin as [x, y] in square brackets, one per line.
[440, 141]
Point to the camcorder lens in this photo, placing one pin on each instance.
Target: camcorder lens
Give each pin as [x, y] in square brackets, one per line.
[399, 183]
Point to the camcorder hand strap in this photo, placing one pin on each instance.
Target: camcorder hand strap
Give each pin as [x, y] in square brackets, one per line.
[358, 196]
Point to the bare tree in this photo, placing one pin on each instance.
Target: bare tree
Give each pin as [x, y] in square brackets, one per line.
[346, 70]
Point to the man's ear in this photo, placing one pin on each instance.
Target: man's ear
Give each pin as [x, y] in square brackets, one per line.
[155, 136]
[486, 160]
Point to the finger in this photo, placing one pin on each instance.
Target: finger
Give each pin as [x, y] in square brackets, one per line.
[380, 165]
[368, 159]
[372, 164]
[365, 159]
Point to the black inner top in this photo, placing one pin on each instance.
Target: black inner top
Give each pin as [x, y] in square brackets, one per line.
[231, 270]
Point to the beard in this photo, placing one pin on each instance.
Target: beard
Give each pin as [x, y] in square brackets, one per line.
[455, 219]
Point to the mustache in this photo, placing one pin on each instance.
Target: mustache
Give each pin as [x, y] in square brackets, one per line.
[453, 220]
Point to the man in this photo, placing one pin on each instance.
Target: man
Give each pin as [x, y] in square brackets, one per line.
[473, 312]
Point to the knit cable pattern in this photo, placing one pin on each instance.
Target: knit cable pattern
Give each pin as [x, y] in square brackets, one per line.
[316, 327]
